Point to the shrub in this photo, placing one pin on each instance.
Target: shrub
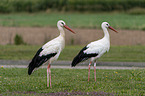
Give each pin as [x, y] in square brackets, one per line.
[136, 11]
[72, 41]
[18, 40]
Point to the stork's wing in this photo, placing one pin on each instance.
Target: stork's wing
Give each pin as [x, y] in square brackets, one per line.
[42, 55]
[93, 49]
[82, 56]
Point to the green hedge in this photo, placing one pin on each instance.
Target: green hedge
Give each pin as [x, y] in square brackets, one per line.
[8, 6]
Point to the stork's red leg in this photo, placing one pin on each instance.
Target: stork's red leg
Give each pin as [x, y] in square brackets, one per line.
[48, 75]
[89, 71]
[95, 71]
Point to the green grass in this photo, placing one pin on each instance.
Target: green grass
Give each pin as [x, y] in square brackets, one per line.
[15, 81]
[116, 53]
[79, 20]
[17, 52]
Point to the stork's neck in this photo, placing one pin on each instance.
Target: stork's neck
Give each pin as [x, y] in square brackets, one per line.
[62, 33]
[106, 34]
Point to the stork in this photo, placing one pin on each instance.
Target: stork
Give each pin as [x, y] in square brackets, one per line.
[94, 50]
[50, 51]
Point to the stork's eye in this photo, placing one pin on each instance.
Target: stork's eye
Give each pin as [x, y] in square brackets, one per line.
[62, 23]
[107, 24]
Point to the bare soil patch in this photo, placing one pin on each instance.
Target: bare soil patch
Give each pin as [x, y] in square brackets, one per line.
[40, 35]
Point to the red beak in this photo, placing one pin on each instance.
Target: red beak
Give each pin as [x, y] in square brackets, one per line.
[112, 29]
[65, 26]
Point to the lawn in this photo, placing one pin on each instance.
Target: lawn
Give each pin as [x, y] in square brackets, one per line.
[15, 81]
[116, 53]
[79, 20]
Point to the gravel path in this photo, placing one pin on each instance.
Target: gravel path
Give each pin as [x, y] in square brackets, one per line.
[69, 67]
[66, 64]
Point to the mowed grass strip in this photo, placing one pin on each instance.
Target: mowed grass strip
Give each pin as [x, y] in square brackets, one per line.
[116, 53]
[16, 81]
[78, 20]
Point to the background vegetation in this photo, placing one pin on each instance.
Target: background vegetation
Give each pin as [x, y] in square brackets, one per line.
[77, 20]
[8, 6]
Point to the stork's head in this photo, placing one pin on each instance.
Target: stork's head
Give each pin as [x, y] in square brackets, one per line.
[61, 24]
[106, 25]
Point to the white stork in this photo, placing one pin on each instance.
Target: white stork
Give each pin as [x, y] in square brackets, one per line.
[50, 51]
[94, 50]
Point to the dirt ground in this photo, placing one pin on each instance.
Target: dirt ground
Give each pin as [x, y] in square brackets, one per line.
[40, 35]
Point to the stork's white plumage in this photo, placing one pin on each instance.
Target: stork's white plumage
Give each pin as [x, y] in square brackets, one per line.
[50, 51]
[94, 50]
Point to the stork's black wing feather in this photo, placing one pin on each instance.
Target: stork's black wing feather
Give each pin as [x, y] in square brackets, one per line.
[39, 60]
[82, 56]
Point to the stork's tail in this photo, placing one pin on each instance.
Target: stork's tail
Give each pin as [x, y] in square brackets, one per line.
[30, 68]
[75, 61]
[80, 57]
[38, 61]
